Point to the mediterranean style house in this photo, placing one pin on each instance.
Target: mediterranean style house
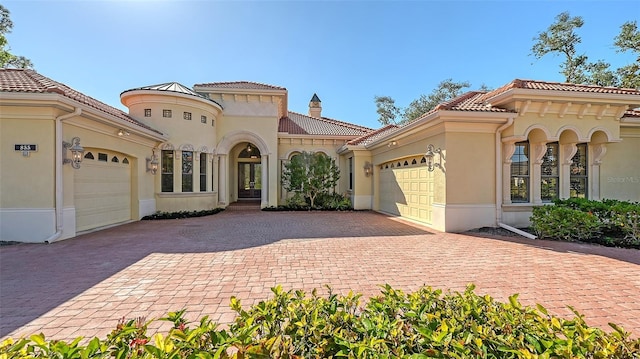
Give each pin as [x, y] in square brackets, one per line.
[71, 164]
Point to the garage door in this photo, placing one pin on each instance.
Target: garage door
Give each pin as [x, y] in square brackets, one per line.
[102, 190]
[406, 189]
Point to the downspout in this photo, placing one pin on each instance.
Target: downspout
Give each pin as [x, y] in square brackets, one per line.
[58, 173]
[498, 145]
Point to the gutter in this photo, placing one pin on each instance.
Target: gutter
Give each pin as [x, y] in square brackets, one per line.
[58, 169]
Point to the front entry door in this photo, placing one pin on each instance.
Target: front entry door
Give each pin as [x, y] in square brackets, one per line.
[249, 180]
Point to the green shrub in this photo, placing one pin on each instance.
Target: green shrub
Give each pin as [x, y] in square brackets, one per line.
[182, 214]
[609, 222]
[626, 217]
[564, 223]
[425, 324]
[323, 202]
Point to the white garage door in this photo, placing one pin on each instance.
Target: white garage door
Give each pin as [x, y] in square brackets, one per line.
[406, 189]
[102, 190]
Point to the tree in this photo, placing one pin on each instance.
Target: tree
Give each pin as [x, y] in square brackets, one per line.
[446, 90]
[600, 74]
[310, 174]
[561, 39]
[7, 59]
[387, 109]
[629, 40]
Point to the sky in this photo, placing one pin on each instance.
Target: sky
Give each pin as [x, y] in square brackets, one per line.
[347, 52]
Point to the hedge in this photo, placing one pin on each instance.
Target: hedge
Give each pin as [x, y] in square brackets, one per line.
[608, 222]
[427, 323]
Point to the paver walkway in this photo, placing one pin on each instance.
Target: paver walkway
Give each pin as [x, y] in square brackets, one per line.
[82, 286]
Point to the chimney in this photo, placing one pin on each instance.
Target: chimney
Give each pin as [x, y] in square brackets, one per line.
[315, 108]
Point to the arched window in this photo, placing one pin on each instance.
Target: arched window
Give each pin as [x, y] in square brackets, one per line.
[167, 171]
[520, 173]
[550, 173]
[203, 172]
[187, 171]
[578, 174]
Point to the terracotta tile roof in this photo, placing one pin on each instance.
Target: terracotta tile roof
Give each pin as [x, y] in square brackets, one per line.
[29, 81]
[247, 85]
[372, 136]
[172, 87]
[470, 101]
[299, 124]
[558, 86]
[632, 113]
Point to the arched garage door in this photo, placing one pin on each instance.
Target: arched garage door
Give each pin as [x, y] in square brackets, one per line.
[102, 189]
[406, 189]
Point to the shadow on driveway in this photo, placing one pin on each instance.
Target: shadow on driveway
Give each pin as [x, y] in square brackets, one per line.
[36, 278]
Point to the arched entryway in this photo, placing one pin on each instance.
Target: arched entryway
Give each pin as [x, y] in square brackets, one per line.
[244, 169]
[249, 173]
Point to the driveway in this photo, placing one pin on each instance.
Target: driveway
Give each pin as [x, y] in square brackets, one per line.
[83, 286]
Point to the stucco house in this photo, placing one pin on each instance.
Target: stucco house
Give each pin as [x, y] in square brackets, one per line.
[71, 164]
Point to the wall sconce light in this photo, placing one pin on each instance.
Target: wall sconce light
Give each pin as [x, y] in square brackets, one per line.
[77, 152]
[152, 164]
[431, 152]
[392, 143]
[122, 132]
[368, 169]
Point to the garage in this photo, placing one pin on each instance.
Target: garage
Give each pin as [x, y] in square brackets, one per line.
[406, 189]
[102, 189]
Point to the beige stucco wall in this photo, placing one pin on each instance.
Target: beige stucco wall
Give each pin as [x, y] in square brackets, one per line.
[188, 135]
[620, 168]
[28, 184]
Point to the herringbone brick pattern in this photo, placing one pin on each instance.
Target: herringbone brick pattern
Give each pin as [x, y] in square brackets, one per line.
[82, 286]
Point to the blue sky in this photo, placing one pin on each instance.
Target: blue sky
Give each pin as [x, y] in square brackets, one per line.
[346, 52]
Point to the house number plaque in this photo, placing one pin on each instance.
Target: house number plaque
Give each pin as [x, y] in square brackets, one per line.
[26, 149]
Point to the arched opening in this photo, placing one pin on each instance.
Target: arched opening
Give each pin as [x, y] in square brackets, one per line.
[249, 171]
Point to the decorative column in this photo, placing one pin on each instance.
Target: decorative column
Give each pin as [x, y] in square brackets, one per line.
[537, 151]
[214, 173]
[265, 181]
[568, 150]
[597, 152]
[196, 171]
[223, 178]
[177, 172]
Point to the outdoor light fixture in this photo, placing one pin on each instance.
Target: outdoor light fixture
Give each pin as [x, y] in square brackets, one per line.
[431, 153]
[152, 164]
[392, 143]
[249, 147]
[122, 132]
[368, 169]
[76, 152]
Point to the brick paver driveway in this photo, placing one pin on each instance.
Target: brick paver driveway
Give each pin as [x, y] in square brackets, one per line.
[82, 286]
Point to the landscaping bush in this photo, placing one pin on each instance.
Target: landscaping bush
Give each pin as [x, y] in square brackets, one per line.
[182, 214]
[425, 324]
[564, 223]
[323, 202]
[608, 222]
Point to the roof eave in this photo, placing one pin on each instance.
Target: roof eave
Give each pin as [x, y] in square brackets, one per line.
[53, 98]
[140, 92]
[239, 91]
[531, 94]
